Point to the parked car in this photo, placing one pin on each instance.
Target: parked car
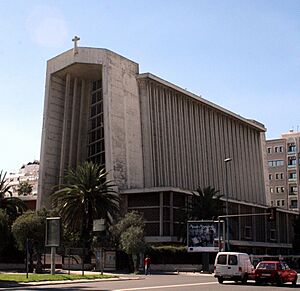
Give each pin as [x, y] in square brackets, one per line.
[274, 272]
[233, 266]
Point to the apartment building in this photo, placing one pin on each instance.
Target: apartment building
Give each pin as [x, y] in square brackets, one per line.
[283, 156]
[28, 173]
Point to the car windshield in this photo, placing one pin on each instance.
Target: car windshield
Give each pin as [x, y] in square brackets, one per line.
[266, 266]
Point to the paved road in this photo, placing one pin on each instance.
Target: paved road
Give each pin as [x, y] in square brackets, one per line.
[181, 282]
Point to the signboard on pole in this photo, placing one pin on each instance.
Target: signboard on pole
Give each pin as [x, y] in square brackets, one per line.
[52, 232]
[204, 236]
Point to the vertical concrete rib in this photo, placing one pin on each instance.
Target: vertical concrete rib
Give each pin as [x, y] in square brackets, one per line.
[245, 163]
[64, 142]
[148, 105]
[175, 122]
[193, 149]
[170, 140]
[197, 147]
[253, 165]
[81, 120]
[222, 153]
[217, 155]
[73, 143]
[212, 131]
[158, 137]
[185, 137]
[231, 165]
[181, 168]
[204, 147]
[163, 132]
[238, 158]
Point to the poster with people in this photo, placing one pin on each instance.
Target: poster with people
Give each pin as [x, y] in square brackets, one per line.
[203, 236]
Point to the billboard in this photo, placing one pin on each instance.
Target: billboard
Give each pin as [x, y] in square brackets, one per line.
[203, 236]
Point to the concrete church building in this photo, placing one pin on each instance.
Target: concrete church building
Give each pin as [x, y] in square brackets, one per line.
[159, 142]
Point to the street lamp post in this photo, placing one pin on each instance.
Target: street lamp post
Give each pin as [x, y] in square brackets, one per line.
[226, 161]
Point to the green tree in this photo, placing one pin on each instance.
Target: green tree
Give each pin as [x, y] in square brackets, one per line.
[130, 235]
[12, 206]
[24, 188]
[4, 230]
[32, 226]
[87, 195]
[205, 204]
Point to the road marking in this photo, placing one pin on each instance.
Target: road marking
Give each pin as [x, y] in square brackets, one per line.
[166, 286]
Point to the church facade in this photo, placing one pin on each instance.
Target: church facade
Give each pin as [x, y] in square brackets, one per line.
[158, 141]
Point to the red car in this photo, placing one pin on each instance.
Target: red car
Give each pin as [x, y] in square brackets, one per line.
[274, 272]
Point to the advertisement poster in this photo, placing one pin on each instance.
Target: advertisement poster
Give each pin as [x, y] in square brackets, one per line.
[203, 236]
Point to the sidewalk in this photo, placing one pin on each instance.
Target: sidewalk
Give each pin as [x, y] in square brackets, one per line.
[119, 277]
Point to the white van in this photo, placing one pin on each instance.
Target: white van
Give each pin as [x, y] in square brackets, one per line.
[233, 266]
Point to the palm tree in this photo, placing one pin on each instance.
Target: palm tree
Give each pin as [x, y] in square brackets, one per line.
[12, 206]
[205, 204]
[24, 188]
[86, 196]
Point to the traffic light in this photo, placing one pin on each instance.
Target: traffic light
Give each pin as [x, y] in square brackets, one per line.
[272, 214]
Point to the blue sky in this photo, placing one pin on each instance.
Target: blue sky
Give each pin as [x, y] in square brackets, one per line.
[241, 55]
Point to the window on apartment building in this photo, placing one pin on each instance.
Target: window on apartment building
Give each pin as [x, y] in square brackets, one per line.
[270, 176]
[292, 176]
[279, 176]
[272, 203]
[294, 203]
[280, 202]
[269, 150]
[292, 161]
[291, 148]
[278, 149]
[275, 163]
[279, 189]
[271, 189]
[293, 190]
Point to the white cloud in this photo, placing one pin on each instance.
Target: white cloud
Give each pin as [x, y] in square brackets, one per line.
[47, 26]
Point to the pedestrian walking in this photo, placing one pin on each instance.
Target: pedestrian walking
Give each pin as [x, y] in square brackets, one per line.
[147, 263]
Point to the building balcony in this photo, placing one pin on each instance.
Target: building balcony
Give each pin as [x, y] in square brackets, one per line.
[293, 207]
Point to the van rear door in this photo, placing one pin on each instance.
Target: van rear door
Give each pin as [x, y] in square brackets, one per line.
[221, 265]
